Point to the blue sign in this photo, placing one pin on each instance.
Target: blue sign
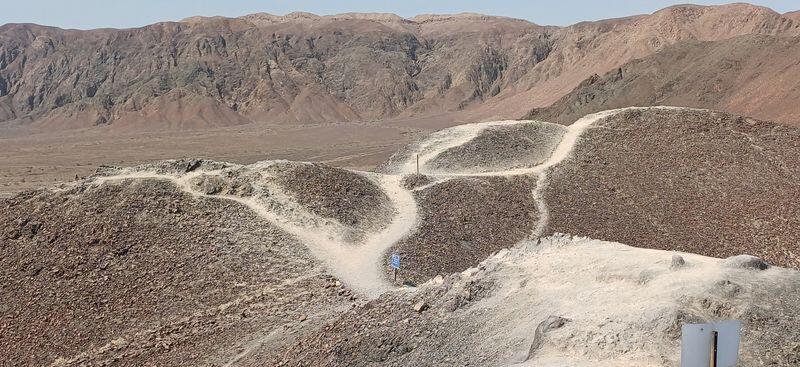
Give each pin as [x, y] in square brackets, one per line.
[396, 261]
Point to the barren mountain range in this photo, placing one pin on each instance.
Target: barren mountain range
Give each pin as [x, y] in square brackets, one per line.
[204, 72]
[750, 75]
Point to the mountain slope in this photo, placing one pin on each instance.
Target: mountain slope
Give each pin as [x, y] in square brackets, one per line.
[232, 70]
[207, 72]
[748, 75]
[588, 48]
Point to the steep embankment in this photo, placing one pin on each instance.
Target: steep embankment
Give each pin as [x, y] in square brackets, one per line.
[566, 301]
[748, 75]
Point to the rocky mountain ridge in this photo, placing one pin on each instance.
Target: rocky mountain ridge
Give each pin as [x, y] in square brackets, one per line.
[730, 75]
[215, 71]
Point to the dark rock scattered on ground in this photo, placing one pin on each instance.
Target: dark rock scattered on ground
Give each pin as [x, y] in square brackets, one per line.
[136, 272]
[689, 180]
[464, 220]
[334, 192]
[502, 147]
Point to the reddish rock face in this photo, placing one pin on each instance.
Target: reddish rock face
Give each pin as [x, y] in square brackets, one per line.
[207, 72]
[749, 75]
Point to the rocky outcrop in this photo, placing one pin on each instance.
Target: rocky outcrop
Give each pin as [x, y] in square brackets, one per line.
[747, 75]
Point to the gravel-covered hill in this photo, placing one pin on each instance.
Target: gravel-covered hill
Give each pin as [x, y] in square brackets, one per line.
[138, 272]
[499, 148]
[678, 179]
[286, 263]
[463, 221]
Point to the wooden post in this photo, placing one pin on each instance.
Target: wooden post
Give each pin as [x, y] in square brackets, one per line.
[395, 275]
[417, 163]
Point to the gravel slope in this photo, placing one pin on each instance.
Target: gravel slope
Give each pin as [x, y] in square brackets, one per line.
[462, 221]
[564, 301]
[689, 180]
[139, 270]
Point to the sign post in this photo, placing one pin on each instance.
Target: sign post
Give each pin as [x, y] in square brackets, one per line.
[715, 344]
[395, 264]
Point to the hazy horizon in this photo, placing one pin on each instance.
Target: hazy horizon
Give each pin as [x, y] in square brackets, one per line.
[91, 14]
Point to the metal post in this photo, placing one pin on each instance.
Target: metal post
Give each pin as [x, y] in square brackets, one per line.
[714, 349]
[417, 163]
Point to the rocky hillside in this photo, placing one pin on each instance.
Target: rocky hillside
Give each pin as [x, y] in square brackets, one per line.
[565, 301]
[206, 72]
[747, 75]
[209, 263]
[690, 180]
[140, 273]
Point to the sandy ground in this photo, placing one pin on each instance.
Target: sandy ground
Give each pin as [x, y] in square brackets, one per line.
[566, 301]
[33, 161]
[357, 263]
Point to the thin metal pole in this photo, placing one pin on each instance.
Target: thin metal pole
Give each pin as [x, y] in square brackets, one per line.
[417, 163]
[714, 351]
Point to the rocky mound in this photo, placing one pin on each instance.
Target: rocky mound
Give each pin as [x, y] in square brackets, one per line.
[501, 147]
[690, 180]
[138, 272]
[348, 197]
[464, 220]
[480, 148]
[564, 301]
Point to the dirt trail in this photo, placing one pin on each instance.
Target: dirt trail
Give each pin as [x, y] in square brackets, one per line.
[445, 139]
[463, 134]
[358, 265]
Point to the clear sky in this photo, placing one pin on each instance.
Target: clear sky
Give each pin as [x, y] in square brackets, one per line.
[85, 14]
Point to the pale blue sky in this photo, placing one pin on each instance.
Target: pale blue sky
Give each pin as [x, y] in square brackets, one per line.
[85, 14]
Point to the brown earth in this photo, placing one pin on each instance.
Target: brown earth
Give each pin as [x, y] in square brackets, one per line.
[40, 160]
[306, 87]
[748, 75]
[501, 148]
[463, 221]
[211, 72]
[794, 15]
[140, 273]
[500, 313]
[704, 182]
[334, 193]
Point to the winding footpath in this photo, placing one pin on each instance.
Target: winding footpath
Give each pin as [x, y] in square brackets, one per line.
[465, 133]
[360, 265]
